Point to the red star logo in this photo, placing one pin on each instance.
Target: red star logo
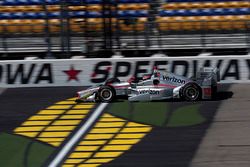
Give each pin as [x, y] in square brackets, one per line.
[72, 73]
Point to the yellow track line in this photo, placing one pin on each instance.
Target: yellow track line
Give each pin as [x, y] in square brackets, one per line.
[108, 139]
[55, 123]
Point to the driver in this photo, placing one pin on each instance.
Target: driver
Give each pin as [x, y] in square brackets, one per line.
[156, 73]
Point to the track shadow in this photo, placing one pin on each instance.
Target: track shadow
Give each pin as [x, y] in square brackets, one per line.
[223, 95]
[170, 146]
[120, 99]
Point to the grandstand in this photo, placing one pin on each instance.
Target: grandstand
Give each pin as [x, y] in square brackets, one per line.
[66, 26]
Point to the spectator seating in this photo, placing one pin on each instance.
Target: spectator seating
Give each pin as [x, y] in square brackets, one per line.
[194, 23]
[71, 2]
[206, 12]
[29, 16]
[127, 15]
[76, 25]
[95, 7]
[201, 5]
[202, 14]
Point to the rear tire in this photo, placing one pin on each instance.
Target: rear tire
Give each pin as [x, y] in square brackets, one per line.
[106, 94]
[191, 92]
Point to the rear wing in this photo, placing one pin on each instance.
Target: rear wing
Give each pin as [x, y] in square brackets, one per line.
[206, 72]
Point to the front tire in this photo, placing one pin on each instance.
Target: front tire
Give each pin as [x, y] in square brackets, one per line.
[191, 92]
[106, 94]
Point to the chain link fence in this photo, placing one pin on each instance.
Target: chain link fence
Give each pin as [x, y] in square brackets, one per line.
[66, 34]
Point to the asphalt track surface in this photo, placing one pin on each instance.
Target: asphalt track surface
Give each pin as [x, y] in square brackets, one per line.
[227, 141]
[19, 104]
[222, 140]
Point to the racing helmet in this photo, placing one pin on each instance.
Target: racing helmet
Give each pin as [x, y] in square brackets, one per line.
[156, 73]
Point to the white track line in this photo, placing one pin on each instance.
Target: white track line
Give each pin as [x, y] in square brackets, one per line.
[66, 149]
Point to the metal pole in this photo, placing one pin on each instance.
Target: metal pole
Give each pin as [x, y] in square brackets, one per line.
[65, 30]
[203, 35]
[104, 23]
[4, 42]
[107, 24]
[62, 26]
[47, 32]
[68, 31]
[248, 35]
[117, 26]
[87, 44]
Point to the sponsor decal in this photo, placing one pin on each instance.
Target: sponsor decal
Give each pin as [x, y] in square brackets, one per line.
[103, 69]
[151, 92]
[231, 69]
[173, 79]
[30, 74]
[63, 73]
[72, 73]
[26, 73]
[207, 91]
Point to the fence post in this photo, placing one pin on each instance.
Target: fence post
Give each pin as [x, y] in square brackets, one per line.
[248, 35]
[107, 25]
[4, 43]
[65, 28]
[203, 35]
[47, 32]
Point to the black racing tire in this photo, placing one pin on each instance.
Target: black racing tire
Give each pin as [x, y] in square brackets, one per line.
[191, 92]
[106, 94]
[112, 80]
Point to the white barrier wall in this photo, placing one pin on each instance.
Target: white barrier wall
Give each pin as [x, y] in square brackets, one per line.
[85, 72]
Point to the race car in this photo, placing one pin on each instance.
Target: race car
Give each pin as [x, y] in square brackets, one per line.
[159, 85]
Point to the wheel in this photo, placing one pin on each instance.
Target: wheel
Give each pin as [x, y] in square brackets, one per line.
[112, 80]
[191, 92]
[106, 94]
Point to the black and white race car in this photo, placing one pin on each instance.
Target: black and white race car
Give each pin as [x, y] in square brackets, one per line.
[159, 85]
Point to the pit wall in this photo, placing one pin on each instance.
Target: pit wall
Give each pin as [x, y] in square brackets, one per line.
[85, 72]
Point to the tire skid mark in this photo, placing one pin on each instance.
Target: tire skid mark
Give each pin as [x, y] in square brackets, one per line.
[55, 123]
[109, 138]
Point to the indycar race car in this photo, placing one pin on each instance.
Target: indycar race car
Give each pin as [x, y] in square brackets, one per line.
[159, 85]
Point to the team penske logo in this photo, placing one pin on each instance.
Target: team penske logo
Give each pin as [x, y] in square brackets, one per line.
[152, 92]
[173, 79]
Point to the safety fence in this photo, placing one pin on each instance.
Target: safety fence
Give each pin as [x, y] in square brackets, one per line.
[108, 25]
[84, 36]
